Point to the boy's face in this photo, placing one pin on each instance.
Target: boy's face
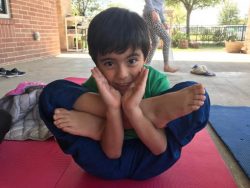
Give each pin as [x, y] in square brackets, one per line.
[121, 69]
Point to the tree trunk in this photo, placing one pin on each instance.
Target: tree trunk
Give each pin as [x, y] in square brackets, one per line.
[188, 24]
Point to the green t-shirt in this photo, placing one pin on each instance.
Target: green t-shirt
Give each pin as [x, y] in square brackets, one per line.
[157, 82]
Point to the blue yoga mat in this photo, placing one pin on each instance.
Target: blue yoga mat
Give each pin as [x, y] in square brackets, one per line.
[232, 124]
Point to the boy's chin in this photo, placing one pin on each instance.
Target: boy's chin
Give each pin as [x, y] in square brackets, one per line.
[122, 92]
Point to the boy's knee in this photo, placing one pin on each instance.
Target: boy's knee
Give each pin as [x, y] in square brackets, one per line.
[181, 85]
[60, 94]
[54, 86]
[48, 95]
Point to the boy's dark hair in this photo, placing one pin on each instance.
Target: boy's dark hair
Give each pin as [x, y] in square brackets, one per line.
[116, 30]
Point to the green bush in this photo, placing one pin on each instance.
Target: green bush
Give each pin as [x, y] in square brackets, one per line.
[177, 36]
[219, 36]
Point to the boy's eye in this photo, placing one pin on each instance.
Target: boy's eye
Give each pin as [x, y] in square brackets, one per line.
[108, 64]
[132, 61]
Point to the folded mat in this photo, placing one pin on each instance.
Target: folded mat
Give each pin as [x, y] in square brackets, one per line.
[29, 164]
[232, 124]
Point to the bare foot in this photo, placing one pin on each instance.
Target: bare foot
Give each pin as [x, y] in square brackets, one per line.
[165, 108]
[78, 123]
[167, 68]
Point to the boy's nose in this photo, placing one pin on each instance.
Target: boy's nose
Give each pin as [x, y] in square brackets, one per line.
[122, 73]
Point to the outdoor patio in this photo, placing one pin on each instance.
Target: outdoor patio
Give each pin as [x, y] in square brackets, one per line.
[232, 72]
[229, 87]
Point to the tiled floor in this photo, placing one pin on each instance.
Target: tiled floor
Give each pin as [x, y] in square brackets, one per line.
[230, 86]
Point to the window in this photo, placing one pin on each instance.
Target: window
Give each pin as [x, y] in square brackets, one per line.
[4, 9]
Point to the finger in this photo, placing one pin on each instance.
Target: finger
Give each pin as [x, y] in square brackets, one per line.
[95, 72]
[142, 79]
[98, 76]
[98, 72]
[145, 75]
[139, 77]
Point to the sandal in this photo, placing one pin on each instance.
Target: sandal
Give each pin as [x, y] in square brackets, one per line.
[201, 70]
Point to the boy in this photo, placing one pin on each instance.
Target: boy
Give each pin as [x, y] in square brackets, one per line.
[124, 122]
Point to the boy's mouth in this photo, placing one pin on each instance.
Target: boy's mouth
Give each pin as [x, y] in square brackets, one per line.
[122, 87]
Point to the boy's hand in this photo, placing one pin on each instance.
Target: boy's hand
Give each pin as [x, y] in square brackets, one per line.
[110, 96]
[135, 92]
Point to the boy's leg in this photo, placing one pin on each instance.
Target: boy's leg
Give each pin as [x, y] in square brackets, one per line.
[173, 103]
[61, 94]
[175, 108]
[86, 152]
[179, 132]
[79, 123]
[184, 128]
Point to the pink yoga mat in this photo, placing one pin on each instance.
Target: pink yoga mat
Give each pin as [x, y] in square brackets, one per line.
[29, 164]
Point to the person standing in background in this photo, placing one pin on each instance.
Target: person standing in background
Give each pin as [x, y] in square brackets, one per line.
[154, 17]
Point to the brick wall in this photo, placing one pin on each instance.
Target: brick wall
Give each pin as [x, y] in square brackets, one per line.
[16, 34]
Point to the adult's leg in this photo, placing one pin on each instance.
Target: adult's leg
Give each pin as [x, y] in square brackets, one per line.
[161, 32]
[153, 36]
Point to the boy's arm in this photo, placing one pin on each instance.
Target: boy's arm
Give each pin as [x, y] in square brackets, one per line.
[154, 138]
[113, 133]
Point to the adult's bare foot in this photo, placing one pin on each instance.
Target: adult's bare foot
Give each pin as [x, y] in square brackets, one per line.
[167, 68]
[167, 107]
[78, 123]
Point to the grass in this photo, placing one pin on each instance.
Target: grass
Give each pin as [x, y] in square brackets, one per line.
[203, 47]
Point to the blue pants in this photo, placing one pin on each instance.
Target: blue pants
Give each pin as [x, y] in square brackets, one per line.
[136, 162]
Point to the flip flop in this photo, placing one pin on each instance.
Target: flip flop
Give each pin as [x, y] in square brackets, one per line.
[201, 70]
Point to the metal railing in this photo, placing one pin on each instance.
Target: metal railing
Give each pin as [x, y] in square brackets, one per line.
[214, 33]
